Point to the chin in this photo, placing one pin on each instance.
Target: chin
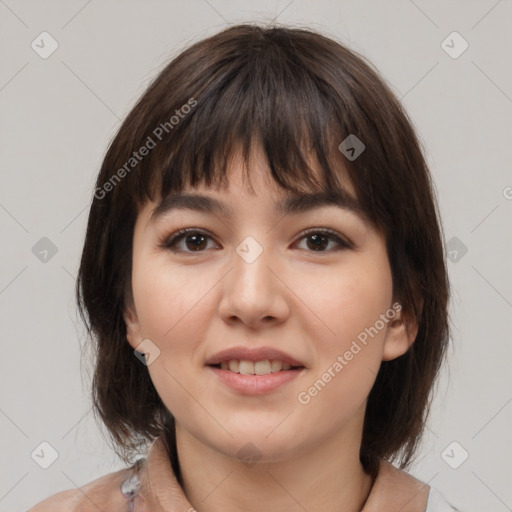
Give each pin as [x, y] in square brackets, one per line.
[257, 446]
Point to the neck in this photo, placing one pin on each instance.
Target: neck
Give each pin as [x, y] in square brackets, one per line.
[326, 477]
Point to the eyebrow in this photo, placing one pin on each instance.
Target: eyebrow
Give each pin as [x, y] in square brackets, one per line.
[293, 204]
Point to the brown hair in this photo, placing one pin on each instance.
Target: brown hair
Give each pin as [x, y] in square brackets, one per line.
[298, 93]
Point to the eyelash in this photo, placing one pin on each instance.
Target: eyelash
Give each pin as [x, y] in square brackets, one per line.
[171, 241]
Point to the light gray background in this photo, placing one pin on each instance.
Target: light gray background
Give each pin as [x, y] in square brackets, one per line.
[58, 115]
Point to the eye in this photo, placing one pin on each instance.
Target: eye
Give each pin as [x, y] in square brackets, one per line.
[193, 240]
[318, 239]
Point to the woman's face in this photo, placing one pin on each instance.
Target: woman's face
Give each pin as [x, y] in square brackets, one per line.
[252, 278]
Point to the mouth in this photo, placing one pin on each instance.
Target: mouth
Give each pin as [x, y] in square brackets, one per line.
[263, 367]
[255, 377]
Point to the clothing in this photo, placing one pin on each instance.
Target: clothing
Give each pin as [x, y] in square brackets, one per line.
[438, 503]
[150, 485]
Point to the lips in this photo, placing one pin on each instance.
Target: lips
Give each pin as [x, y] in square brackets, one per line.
[255, 385]
[254, 355]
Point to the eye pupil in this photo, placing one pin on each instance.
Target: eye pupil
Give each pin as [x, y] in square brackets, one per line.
[317, 241]
[197, 244]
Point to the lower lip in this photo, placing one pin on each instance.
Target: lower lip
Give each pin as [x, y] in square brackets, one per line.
[255, 384]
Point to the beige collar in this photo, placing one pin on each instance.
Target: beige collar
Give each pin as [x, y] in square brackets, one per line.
[393, 491]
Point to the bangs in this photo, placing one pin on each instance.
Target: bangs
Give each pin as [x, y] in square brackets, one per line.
[261, 95]
[249, 107]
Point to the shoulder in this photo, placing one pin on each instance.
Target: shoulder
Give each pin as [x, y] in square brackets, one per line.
[104, 493]
[395, 489]
[60, 502]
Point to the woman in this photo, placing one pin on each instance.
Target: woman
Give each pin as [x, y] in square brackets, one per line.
[263, 275]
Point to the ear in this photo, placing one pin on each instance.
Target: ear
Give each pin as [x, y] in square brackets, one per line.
[133, 330]
[401, 333]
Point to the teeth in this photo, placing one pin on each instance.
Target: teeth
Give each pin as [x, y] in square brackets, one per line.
[262, 367]
[275, 365]
[246, 367]
[254, 368]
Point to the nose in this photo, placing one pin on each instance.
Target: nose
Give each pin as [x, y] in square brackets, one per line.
[254, 291]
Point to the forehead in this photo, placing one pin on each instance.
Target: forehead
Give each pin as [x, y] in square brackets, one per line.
[255, 178]
[290, 204]
[253, 181]
[293, 203]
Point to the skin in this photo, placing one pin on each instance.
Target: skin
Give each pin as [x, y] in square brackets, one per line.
[312, 305]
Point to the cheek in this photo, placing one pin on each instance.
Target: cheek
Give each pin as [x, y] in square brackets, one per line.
[174, 312]
[170, 302]
[349, 351]
[348, 300]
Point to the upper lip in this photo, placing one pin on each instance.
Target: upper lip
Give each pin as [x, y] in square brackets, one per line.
[253, 354]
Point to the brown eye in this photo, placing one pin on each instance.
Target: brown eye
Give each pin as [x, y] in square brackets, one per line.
[190, 240]
[318, 240]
